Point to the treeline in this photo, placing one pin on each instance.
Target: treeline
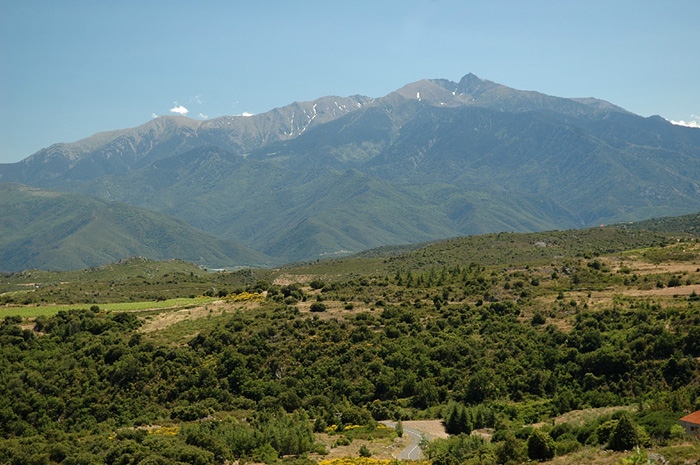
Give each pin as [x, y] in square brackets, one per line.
[619, 431]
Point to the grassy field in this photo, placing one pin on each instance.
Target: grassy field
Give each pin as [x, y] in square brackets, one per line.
[48, 310]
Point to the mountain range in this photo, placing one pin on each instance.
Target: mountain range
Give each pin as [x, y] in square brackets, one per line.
[434, 159]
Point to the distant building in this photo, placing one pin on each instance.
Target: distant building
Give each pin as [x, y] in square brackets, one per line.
[691, 423]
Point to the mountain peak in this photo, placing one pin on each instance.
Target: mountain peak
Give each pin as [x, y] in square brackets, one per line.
[431, 91]
[470, 78]
[472, 85]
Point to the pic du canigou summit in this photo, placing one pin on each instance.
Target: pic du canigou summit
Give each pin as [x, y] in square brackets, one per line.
[434, 159]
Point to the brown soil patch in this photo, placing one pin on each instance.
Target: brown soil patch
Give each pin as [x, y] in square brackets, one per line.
[434, 428]
[287, 279]
[382, 449]
[485, 433]
[639, 266]
[563, 325]
[651, 268]
[665, 291]
[579, 417]
[334, 309]
[168, 318]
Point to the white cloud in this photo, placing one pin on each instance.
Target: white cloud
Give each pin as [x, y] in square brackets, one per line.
[179, 109]
[245, 113]
[688, 124]
[197, 99]
[154, 115]
[202, 115]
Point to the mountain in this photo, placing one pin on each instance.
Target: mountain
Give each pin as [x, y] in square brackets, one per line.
[431, 160]
[66, 231]
[122, 151]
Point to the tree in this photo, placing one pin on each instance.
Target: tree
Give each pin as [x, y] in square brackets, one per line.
[624, 436]
[481, 386]
[510, 450]
[540, 446]
[399, 429]
[457, 419]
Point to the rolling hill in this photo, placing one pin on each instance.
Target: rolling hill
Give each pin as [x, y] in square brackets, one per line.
[65, 231]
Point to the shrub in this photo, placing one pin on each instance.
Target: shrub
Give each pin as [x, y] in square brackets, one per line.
[364, 451]
[399, 428]
[567, 446]
[317, 284]
[510, 450]
[318, 307]
[342, 441]
[540, 446]
[538, 319]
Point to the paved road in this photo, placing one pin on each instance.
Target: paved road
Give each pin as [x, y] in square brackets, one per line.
[413, 451]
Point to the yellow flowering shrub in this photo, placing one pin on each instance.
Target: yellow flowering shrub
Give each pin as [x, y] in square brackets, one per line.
[370, 461]
[349, 427]
[165, 431]
[245, 297]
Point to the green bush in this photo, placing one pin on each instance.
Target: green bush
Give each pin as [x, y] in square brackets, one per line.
[318, 307]
[510, 450]
[364, 451]
[342, 441]
[540, 446]
[624, 435]
[567, 446]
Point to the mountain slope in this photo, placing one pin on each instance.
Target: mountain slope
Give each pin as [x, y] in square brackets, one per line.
[294, 214]
[121, 151]
[51, 230]
[431, 160]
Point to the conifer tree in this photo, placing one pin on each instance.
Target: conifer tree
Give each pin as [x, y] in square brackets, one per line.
[624, 436]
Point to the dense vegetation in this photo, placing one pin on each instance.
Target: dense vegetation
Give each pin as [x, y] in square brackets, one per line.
[272, 369]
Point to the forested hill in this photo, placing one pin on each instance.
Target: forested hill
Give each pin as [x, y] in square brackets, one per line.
[64, 231]
[679, 224]
[542, 346]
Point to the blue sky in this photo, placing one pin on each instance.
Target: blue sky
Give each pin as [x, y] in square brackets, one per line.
[69, 69]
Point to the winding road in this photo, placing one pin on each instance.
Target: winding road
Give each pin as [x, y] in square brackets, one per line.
[413, 451]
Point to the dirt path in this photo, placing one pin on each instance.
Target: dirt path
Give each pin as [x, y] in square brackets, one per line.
[433, 428]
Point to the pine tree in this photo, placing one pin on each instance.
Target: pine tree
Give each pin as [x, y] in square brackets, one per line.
[624, 436]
